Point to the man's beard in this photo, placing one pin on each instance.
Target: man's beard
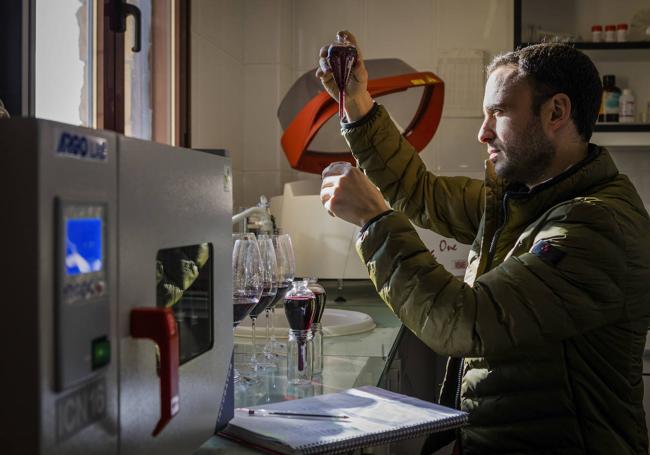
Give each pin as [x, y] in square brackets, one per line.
[526, 158]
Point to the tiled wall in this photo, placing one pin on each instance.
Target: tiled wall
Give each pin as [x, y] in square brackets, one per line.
[247, 53]
[217, 77]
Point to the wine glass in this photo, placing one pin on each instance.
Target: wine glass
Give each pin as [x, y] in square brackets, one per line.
[270, 288]
[247, 278]
[286, 269]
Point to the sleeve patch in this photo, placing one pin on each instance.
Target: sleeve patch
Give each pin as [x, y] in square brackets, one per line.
[547, 252]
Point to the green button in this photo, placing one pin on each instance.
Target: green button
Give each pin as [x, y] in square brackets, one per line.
[101, 352]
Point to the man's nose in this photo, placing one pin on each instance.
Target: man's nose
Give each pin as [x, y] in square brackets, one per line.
[486, 132]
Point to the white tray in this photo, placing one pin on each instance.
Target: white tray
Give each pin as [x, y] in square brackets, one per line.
[335, 323]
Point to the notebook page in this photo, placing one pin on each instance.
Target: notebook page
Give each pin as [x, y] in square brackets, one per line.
[371, 411]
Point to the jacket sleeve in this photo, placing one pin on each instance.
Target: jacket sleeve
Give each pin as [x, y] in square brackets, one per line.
[525, 301]
[450, 206]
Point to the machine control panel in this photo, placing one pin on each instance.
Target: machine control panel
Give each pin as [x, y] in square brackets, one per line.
[87, 289]
[83, 312]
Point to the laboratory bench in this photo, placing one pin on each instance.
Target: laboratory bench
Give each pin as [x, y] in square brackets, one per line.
[348, 360]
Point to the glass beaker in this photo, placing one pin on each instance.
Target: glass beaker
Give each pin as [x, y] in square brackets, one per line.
[299, 357]
[317, 350]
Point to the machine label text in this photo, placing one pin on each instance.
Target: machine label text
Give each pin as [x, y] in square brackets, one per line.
[80, 408]
[82, 147]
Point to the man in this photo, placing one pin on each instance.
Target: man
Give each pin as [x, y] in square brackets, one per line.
[552, 317]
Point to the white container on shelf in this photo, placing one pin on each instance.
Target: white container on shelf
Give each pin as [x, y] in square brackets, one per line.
[627, 107]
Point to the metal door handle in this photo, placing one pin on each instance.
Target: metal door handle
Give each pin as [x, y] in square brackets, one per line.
[119, 11]
[159, 325]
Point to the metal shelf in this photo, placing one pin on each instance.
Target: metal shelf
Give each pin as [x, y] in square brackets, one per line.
[637, 51]
[621, 138]
[622, 127]
[588, 45]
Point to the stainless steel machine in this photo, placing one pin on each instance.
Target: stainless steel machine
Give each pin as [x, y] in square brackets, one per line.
[117, 335]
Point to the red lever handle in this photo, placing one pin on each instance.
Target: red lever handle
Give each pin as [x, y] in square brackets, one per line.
[159, 325]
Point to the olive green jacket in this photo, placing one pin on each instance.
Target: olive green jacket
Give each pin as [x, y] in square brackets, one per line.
[552, 316]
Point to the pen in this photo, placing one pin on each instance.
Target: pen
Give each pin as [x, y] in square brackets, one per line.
[264, 412]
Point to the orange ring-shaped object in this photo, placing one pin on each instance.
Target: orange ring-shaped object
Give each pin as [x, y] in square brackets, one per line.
[303, 128]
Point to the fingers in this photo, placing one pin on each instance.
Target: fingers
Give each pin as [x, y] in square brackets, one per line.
[326, 195]
[332, 175]
[324, 72]
[323, 51]
[323, 65]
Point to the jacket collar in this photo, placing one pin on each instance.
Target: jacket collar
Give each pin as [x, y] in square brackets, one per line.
[579, 180]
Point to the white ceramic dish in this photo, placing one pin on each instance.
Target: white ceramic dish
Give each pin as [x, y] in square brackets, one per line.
[335, 323]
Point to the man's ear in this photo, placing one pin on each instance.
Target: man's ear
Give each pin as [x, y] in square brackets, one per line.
[560, 107]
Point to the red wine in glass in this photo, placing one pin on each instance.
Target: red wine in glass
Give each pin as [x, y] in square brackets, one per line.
[242, 305]
[341, 57]
[265, 301]
[283, 288]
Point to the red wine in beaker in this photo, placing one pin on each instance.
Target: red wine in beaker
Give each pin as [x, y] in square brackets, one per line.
[341, 57]
[299, 308]
[299, 312]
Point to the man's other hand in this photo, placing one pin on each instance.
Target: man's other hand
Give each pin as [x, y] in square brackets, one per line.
[348, 194]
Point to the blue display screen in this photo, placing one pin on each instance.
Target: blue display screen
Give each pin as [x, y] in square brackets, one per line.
[83, 245]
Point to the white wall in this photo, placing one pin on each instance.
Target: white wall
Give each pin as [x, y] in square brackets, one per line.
[63, 77]
[217, 78]
[247, 53]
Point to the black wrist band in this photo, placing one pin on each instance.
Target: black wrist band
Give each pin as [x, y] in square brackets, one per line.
[363, 120]
[374, 219]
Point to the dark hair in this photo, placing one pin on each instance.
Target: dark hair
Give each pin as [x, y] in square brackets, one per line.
[553, 68]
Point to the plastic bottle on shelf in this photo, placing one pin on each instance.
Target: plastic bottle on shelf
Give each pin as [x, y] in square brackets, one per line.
[627, 107]
[596, 33]
[611, 95]
[621, 33]
[610, 33]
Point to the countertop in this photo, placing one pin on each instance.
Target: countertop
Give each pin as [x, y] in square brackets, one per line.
[349, 360]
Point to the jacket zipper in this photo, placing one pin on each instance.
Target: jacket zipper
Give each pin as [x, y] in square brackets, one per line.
[460, 381]
[491, 253]
[497, 233]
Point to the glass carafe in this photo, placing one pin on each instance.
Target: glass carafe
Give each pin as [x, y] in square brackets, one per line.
[341, 57]
[299, 306]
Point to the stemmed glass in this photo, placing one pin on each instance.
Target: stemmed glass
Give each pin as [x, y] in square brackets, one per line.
[270, 288]
[247, 278]
[286, 269]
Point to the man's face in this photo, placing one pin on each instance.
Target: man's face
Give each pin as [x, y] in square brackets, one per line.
[516, 141]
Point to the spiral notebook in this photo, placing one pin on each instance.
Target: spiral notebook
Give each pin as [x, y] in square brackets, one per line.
[374, 417]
